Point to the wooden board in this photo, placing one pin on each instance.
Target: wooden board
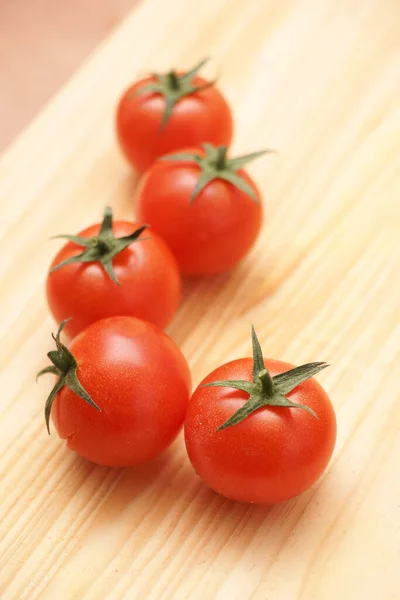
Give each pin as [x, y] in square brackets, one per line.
[320, 82]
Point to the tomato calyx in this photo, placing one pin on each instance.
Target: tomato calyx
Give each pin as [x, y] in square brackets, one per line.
[101, 248]
[65, 366]
[265, 390]
[174, 86]
[215, 165]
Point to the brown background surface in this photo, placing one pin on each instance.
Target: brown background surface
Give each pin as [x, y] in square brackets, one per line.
[42, 42]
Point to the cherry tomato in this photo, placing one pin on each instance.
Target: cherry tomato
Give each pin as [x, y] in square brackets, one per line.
[273, 453]
[205, 206]
[124, 391]
[137, 276]
[162, 113]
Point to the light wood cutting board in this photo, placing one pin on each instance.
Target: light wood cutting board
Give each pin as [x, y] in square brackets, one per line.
[320, 82]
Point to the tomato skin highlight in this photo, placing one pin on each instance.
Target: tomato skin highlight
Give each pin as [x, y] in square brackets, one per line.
[203, 116]
[208, 235]
[150, 285]
[274, 454]
[141, 382]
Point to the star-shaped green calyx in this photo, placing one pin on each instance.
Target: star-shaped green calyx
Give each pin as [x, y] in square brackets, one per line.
[174, 86]
[65, 366]
[265, 390]
[101, 248]
[216, 165]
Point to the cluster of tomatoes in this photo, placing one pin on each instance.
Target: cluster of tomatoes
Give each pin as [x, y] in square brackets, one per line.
[255, 430]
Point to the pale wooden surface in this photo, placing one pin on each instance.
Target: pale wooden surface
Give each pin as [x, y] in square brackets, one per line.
[319, 81]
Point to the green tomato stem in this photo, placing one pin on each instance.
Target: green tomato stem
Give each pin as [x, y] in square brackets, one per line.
[173, 80]
[102, 248]
[267, 385]
[265, 390]
[101, 245]
[220, 162]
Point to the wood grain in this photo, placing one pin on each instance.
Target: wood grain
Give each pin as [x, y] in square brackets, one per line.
[320, 82]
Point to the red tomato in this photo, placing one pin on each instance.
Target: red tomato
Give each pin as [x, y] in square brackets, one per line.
[149, 282]
[210, 233]
[147, 128]
[139, 380]
[273, 454]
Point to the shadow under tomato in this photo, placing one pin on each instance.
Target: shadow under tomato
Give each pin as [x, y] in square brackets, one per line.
[122, 487]
[210, 516]
[198, 295]
[165, 503]
[233, 291]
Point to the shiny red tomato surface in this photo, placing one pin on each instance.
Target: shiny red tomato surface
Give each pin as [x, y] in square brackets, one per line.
[149, 283]
[203, 116]
[272, 455]
[209, 234]
[138, 378]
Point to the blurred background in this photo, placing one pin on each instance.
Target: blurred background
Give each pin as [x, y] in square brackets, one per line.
[42, 42]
